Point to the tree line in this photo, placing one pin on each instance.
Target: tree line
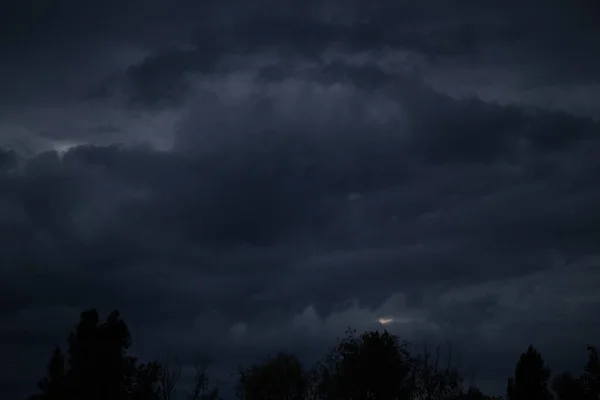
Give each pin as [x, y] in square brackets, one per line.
[374, 365]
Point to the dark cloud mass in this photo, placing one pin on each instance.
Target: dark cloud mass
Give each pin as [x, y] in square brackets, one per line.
[239, 178]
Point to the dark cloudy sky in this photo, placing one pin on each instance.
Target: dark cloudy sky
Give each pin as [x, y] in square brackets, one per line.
[242, 177]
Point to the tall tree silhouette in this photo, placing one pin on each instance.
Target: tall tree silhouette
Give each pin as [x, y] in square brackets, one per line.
[590, 379]
[374, 365]
[530, 381]
[96, 366]
[99, 368]
[279, 378]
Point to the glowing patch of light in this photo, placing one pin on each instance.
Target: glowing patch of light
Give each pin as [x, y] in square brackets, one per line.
[62, 147]
[385, 321]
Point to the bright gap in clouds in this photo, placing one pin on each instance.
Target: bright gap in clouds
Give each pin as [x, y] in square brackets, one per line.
[385, 321]
[63, 146]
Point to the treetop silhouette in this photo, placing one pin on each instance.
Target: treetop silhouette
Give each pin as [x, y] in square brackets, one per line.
[371, 366]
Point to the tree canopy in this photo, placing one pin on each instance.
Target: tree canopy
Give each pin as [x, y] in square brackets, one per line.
[530, 381]
[374, 365]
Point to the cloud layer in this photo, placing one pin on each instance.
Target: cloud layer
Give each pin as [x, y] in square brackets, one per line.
[249, 181]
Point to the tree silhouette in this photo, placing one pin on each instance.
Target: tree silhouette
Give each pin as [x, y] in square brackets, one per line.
[201, 389]
[279, 378]
[53, 385]
[432, 382]
[530, 381]
[586, 387]
[472, 394]
[145, 381]
[96, 366]
[590, 379]
[169, 378]
[567, 387]
[373, 365]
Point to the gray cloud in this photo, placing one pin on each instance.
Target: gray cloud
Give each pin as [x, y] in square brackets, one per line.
[262, 224]
[241, 182]
[520, 37]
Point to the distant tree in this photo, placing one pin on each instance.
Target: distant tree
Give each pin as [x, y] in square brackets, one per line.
[53, 385]
[433, 381]
[530, 381]
[201, 388]
[279, 378]
[374, 365]
[96, 366]
[590, 379]
[169, 378]
[144, 385]
[567, 387]
[472, 394]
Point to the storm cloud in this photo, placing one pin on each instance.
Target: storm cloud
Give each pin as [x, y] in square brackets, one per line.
[240, 180]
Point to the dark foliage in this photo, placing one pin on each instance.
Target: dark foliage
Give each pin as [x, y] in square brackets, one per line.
[96, 366]
[279, 378]
[371, 366]
[590, 380]
[566, 387]
[530, 381]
